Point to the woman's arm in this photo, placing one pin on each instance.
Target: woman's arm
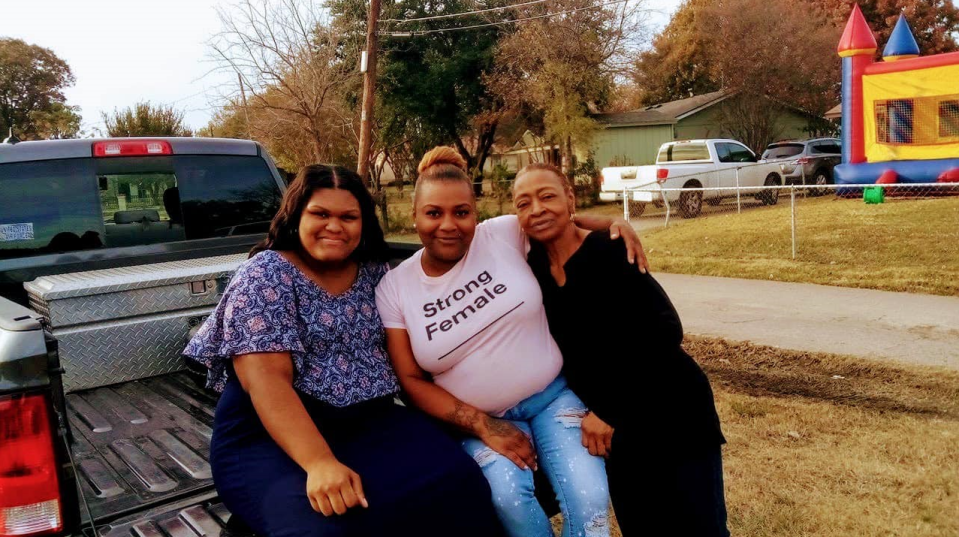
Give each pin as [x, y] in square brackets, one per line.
[617, 227]
[500, 435]
[268, 378]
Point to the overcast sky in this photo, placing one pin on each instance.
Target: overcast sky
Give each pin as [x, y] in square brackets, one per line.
[125, 51]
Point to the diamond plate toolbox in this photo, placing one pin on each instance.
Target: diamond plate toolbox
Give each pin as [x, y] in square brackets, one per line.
[127, 323]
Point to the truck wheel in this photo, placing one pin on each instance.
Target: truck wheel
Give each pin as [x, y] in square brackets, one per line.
[691, 204]
[636, 208]
[770, 197]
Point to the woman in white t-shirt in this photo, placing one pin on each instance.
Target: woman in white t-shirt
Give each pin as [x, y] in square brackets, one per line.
[468, 337]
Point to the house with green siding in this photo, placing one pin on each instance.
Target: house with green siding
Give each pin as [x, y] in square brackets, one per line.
[633, 138]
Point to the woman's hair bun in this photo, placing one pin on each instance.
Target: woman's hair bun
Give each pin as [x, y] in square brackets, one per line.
[440, 156]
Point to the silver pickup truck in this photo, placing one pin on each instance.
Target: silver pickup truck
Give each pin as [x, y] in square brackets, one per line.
[110, 252]
[719, 166]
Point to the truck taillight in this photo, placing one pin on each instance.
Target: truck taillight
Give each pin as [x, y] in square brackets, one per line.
[131, 148]
[802, 160]
[29, 488]
[662, 174]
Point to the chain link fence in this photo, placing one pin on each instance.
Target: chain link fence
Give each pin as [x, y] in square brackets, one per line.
[789, 214]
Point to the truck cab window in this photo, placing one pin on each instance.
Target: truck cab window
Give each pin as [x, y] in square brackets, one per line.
[140, 208]
[48, 207]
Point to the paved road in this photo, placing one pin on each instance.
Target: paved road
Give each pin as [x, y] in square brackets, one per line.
[902, 327]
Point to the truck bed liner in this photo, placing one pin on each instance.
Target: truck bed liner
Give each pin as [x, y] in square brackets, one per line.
[141, 444]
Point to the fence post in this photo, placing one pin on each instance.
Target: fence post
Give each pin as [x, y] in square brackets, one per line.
[792, 204]
[739, 205]
[625, 204]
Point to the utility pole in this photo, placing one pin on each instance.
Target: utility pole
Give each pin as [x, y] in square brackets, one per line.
[368, 68]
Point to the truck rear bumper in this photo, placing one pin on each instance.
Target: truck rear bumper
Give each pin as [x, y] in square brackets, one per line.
[634, 195]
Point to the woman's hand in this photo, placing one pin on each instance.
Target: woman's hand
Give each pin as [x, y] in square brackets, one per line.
[506, 439]
[333, 488]
[597, 436]
[634, 248]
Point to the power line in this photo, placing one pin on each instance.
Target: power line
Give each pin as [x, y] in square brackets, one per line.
[414, 33]
[465, 13]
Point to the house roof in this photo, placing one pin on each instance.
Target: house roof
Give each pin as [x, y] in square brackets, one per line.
[834, 113]
[664, 113]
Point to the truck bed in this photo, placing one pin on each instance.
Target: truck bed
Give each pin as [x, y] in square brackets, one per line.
[142, 450]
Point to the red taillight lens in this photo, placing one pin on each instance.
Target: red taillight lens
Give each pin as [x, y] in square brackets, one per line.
[131, 148]
[29, 488]
[662, 174]
[802, 160]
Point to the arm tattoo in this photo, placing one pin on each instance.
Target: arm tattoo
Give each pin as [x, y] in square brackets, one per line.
[464, 417]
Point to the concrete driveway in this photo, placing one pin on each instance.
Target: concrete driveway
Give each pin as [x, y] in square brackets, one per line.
[901, 327]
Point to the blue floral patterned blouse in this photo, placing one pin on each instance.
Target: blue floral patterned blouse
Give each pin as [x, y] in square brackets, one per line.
[337, 341]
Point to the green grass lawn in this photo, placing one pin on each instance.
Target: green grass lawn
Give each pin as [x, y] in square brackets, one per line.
[901, 245]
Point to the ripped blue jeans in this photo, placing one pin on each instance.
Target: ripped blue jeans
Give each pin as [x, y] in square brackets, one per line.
[552, 419]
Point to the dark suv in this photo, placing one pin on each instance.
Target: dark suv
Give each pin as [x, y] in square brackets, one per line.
[808, 162]
[71, 205]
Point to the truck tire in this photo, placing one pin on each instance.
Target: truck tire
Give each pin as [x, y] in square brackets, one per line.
[636, 208]
[691, 203]
[770, 197]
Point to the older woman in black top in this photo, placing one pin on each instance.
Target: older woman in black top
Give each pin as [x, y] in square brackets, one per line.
[652, 413]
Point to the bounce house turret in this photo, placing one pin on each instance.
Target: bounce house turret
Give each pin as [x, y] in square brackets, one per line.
[902, 45]
[856, 48]
[899, 115]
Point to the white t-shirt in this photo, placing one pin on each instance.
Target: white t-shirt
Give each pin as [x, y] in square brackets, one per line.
[480, 329]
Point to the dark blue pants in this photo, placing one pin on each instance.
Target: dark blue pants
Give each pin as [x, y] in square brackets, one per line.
[666, 492]
[417, 479]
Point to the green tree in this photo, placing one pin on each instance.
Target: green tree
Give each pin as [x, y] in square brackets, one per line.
[32, 80]
[145, 119]
[57, 122]
[431, 85]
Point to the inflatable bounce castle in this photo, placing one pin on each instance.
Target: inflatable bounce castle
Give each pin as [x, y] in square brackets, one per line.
[900, 116]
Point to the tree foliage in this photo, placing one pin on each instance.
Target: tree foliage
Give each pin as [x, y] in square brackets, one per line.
[145, 119]
[431, 85]
[773, 54]
[294, 79]
[32, 80]
[562, 67]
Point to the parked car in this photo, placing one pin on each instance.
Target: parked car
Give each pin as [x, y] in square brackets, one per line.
[806, 162]
[720, 164]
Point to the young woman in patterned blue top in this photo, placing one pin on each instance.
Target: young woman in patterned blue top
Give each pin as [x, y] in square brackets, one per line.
[307, 439]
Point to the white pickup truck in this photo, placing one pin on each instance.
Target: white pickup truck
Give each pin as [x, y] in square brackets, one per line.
[692, 164]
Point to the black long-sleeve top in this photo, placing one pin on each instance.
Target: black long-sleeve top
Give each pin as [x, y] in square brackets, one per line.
[621, 342]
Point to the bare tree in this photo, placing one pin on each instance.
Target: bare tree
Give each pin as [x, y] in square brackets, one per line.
[290, 68]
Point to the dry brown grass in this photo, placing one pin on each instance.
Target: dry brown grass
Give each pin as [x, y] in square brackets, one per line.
[902, 245]
[829, 446]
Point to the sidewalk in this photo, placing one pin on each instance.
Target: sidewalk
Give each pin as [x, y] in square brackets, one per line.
[901, 327]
